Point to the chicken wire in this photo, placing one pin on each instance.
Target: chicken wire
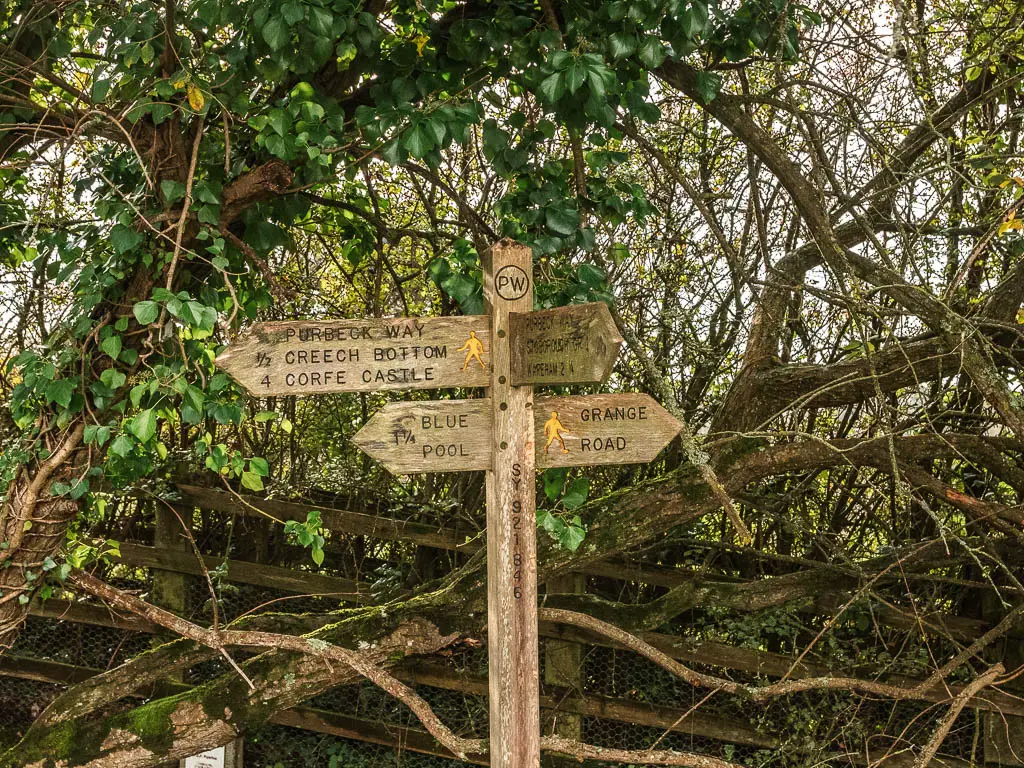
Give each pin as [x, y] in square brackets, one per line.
[809, 729]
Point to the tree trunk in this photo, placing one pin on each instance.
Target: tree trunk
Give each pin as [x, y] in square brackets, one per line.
[33, 525]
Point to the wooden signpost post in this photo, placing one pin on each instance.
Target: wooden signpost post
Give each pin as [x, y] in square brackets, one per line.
[507, 433]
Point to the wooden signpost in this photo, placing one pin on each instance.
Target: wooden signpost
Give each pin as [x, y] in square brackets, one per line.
[577, 344]
[507, 433]
[601, 429]
[430, 436]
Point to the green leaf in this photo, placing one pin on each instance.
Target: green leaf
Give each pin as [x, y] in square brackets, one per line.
[320, 21]
[143, 426]
[652, 52]
[172, 190]
[60, 391]
[418, 141]
[575, 75]
[564, 221]
[279, 120]
[548, 521]
[318, 555]
[122, 446]
[571, 537]
[112, 378]
[146, 312]
[112, 346]
[392, 153]
[463, 289]
[311, 112]
[552, 88]
[96, 434]
[79, 488]
[259, 466]
[135, 393]
[275, 33]
[554, 481]
[100, 89]
[590, 275]
[252, 481]
[577, 494]
[292, 12]
[124, 239]
[708, 85]
[346, 52]
[621, 45]
[439, 270]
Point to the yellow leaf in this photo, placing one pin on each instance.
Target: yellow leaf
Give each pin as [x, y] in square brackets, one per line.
[421, 43]
[1020, 317]
[179, 84]
[1011, 223]
[195, 97]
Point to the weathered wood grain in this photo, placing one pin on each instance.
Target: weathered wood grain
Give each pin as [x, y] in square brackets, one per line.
[576, 344]
[243, 572]
[430, 436]
[306, 357]
[583, 430]
[513, 653]
[337, 520]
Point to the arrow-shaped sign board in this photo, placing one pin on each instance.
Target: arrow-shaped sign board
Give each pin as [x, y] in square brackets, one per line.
[576, 344]
[307, 357]
[601, 429]
[429, 436]
[455, 435]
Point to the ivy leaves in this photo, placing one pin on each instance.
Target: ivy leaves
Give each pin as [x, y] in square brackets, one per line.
[566, 495]
[404, 131]
[199, 317]
[577, 88]
[302, 36]
[143, 426]
[146, 312]
[309, 534]
[124, 239]
[459, 276]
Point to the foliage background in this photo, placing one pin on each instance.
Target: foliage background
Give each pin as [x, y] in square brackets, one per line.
[803, 217]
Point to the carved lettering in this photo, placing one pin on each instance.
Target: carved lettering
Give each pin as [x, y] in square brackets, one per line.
[450, 450]
[342, 356]
[447, 421]
[619, 413]
[603, 444]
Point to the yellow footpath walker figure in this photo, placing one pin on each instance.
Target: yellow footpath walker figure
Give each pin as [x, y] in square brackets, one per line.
[475, 347]
[553, 430]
